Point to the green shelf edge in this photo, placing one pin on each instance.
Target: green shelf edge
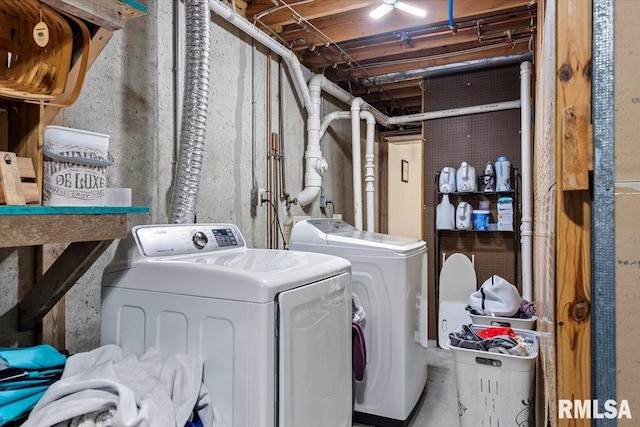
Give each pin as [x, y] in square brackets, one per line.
[133, 3]
[72, 210]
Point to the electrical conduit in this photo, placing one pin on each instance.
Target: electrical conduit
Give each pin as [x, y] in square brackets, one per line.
[194, 114]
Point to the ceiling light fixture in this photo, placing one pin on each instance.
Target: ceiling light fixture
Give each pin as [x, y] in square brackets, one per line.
[388, 5]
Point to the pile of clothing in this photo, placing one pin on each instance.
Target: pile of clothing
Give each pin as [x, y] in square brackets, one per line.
[359, 354]
[492, 339]
[498, 297]
[104, 388]
[25, 375]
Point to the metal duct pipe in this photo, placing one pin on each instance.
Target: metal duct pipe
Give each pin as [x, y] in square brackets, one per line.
[439, 70]
[194, 113]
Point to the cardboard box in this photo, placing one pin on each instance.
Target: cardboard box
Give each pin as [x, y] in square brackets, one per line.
[505, 226]
[505, 205]
[505, 218]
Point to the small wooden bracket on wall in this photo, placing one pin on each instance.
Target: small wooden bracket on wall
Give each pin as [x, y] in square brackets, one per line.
[577, 143]
[15, 176]
[10, 183]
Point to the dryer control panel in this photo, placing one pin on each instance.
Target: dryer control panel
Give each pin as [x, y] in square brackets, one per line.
[184, 239]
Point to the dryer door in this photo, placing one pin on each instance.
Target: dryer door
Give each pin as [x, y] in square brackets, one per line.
[314, 354]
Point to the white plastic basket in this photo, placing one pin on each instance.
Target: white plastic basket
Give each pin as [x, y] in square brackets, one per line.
[512, 322]
[75, 166]
[495, 389]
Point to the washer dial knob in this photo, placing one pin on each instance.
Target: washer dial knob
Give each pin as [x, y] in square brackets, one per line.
[200, 240]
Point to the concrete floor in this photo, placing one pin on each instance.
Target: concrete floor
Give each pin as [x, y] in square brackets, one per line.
[440, 404]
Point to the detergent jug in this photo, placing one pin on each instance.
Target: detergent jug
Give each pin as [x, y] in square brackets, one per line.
[503, 174]
[464, 216]
[466, 181]
[445, 214]
[447, 183]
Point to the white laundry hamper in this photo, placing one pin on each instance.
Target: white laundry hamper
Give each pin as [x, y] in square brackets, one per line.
[496, 389]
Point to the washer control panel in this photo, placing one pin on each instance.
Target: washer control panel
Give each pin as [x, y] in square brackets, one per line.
[184, 239]
[332, 226]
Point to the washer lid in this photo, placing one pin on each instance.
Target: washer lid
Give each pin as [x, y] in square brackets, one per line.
[338, 233]
[254, 275]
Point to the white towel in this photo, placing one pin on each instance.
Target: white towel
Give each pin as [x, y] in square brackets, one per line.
[102, 387]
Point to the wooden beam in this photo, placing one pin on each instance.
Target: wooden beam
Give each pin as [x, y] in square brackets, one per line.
[576, 140]
[28, 230]
[414, 42]
[370, 51]
[358, 23]
[62, 275]
[53, 324]
[496, 50]
[280, 16]
[107, 14]
[573, 212]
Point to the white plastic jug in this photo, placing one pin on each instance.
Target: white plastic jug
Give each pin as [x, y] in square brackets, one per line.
[466, 181]
[445, 214]
[503, 174]
[447, 182]
[464, 216]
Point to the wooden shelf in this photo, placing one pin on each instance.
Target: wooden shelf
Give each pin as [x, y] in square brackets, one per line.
[39, 225]
[88, 230]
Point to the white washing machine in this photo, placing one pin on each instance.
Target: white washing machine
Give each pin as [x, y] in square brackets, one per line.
[389, 279]
[272, 327]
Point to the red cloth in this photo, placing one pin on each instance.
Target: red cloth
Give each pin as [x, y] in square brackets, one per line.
[359, 351]
[494, 331]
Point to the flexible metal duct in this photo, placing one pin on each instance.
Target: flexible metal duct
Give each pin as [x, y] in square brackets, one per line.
[194, 113]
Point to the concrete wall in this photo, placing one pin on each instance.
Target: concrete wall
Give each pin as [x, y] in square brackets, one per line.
[129, 95]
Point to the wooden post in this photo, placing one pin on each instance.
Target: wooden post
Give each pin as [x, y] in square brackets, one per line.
[573, 208]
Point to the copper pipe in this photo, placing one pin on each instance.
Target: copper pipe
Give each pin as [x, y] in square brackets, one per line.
[269, 157]
[281, 159]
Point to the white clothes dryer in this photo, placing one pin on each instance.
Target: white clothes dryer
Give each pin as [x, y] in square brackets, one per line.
[272, 327]
[389, 280]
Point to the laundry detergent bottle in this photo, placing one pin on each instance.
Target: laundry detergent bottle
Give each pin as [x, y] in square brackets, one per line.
[445, 214]
[466, 181]
[464, 216]
[503, 174]
[447, 182]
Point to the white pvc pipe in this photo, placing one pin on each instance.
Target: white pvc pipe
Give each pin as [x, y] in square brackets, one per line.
[313, 179]
[315, 164]
[369, 157]
[509, 105]
[368, 166]
[326, 122]
[289, 57]
[526, 234]
[356, 158]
